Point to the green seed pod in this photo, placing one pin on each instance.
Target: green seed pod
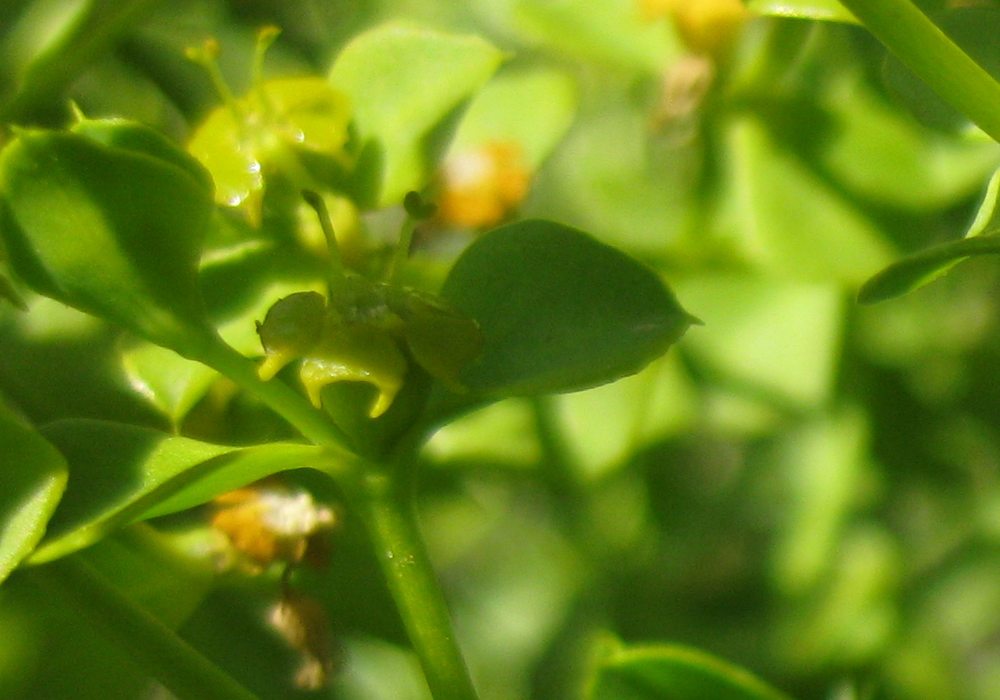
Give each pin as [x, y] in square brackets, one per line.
[292, 326]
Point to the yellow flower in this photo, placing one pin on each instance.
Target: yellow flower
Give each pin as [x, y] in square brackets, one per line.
[369, 333]
[706, 26]
[480, 187]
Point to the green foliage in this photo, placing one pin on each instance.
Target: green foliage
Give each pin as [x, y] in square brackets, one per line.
[673, 672]
[406, 351]
[392, 77]
[110, 219]
[34, 479]
[549, 327]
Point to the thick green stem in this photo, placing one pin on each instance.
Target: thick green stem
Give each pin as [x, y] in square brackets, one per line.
[294, 408]
[936, 59]
[155, 647]
[386, 506]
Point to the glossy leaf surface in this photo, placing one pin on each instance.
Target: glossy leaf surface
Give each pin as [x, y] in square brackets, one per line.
[121, 473]
[32, 478]
[920, 268]
[392, 75]
[112, 227]
[559, 310]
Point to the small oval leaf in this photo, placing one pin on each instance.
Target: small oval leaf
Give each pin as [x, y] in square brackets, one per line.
[32, 478]
[392, 75]
[123, 473]
[559, 310]
[111, 227]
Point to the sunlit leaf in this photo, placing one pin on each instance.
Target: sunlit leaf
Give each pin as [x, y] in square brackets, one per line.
[122, 473]
[114, 230]
[782, 216]
[495, 115]
[598, 32]
[916, 270]
[392, 75]
[32, 478]
[559, 311]
[919, 169]
[774, 338]
[925, 266]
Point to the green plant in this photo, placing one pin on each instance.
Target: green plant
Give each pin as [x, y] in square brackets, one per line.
[242, 332]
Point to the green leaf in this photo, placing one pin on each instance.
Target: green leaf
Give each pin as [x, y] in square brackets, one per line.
[559, 311]
[674, 672]
[32, 479]
[923, 267]
[392, 75]
[916, 270]
[785, 218]
[496, 114]
[171, 383]
[598, 32]
[920, 169]
[776, 339]
[122, 473]
[112, 230]
[975, 31]
[828, 10]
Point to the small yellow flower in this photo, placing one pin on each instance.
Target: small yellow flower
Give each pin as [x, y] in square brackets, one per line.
[481, 187]
[370, 333]
[706, 26]
[247, 137]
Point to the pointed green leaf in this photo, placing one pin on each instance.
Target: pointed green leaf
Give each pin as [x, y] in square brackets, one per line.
[392, 75]
[122, 473]
[559, 310]
[674, 672]
[111, 226]
[925, 266]
[496, 114]
[786, 218]
[32, 478]
[597, 32]
[171, 383]
[914, 271]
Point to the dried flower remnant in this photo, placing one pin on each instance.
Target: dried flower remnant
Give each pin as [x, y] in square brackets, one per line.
[684, 87]
[303, 623]
[268, 525]
[481, 187]
[706, 26]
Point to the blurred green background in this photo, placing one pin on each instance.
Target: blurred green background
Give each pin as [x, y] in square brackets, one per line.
[803, 486]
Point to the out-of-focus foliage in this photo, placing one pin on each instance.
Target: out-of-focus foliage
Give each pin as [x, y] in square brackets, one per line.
[805, 488]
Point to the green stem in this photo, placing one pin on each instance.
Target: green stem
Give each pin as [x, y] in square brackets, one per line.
[935, 58]
[313, 424]
[386, 506]
[155, 647]
[402, 252]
